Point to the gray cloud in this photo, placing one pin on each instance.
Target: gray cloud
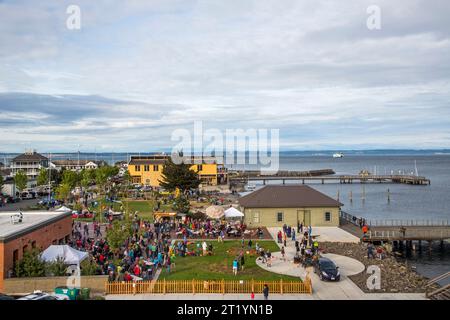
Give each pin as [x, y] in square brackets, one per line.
[139, 69]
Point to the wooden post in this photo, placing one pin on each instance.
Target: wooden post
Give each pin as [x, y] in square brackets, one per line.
[223, 286]
[164, 286]
[351, 196]
[388, 195]
[193, 286]
[281, 286]
[134, 288]
[253, 285]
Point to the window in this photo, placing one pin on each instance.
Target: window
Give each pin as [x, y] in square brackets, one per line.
[199, 167]
[328, 216]
[155, 167]
[24, 249]
[146, 167]
[33, 244]
[256, 217]
[137, 168]
[279, 216]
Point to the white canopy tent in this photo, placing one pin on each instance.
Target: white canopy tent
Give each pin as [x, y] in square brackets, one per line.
[63, 209]
[69, 254]
[232, 212]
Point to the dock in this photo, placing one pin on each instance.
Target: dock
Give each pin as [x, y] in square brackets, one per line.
[342, 179]
[394, 230]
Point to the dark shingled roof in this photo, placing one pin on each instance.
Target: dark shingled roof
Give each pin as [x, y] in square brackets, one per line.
[30, 157]
[282, 196]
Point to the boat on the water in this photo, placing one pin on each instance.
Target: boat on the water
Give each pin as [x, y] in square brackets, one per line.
[338, 155]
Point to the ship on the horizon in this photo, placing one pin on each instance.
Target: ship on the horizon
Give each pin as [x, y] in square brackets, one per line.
[338, 155]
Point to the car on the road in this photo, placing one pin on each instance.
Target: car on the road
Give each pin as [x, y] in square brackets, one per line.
[327, 270]
[39, 295]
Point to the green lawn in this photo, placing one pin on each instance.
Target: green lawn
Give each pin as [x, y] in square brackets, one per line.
[219, 265]
[144, 208]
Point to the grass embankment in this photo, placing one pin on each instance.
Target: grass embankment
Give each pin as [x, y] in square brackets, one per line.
[219, 265]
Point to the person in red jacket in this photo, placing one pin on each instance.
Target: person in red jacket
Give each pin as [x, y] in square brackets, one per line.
[137, 270]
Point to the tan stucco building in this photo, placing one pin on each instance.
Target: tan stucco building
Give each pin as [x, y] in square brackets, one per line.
[276, 205]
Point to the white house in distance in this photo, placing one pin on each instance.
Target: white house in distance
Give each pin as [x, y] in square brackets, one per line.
[76, 165]
[29, 162]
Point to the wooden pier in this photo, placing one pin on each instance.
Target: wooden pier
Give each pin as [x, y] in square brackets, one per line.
[397, 230]
[343, 179]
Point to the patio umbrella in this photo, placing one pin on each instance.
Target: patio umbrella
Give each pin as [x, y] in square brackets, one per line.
[215, 212]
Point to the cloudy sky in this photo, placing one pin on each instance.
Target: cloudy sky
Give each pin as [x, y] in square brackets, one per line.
[137, 70]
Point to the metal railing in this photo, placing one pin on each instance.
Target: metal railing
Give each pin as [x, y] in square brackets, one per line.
[408, 223]
[444, 289]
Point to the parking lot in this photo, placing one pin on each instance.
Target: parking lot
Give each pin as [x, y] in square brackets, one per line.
[23, 204]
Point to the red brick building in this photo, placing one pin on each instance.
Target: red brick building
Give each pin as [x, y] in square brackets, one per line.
[38, 229]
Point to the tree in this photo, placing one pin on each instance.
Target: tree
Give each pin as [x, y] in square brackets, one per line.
[63, 191]
[181, 204]
[178, 176]
[118, 233]
[31, 265]
[43, 176]
[103, 174]
[20, 179]
[71, 178]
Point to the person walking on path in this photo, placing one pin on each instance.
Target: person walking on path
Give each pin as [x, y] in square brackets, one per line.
[269, 258]
[293, 234]
[266, 292]
[370, 254]
[242, 261]
[235, 267]
[283, 254]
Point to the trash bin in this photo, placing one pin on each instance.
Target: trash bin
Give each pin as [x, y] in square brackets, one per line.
[85, 294]
[71, 293]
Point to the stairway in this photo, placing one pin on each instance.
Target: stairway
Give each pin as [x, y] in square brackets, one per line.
[436, 292]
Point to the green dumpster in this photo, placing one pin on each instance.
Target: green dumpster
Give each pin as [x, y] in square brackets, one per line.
[85, 294]
[71, 293]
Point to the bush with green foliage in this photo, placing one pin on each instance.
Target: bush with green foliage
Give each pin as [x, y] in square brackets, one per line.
[31, 265]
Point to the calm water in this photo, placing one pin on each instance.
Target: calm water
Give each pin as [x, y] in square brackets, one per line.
[407, 201]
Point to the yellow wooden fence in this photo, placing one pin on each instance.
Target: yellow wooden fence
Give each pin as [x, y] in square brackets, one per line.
[208, 286]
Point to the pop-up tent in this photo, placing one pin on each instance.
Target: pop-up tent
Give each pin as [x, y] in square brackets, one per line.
[232, 212]
[215, 212]
[63, 209]
[69, 254]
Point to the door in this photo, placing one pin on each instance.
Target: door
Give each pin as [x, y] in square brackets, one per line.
[306, 217]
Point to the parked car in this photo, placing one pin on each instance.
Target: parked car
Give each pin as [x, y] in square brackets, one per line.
[5, 297]
[327, 270]
[28, 195]
[39, 295]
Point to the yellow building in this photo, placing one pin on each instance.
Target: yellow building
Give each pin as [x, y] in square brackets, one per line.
[276, 205]
[147, 170]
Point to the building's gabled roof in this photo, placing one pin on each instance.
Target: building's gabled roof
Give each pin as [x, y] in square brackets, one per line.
[283, 196]
[30, 156]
